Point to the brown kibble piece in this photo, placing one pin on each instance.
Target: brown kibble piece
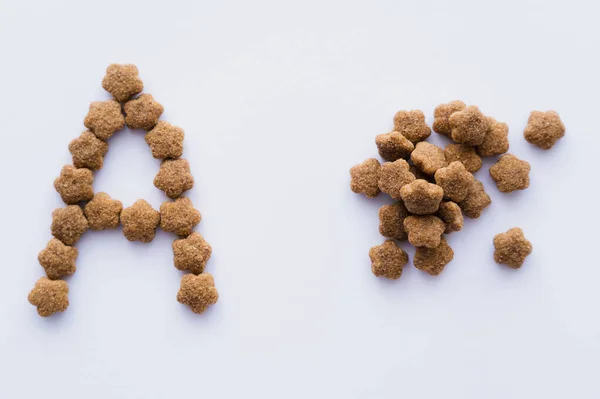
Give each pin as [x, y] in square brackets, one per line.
[476, 201]
[58, 259]
[388, 260]
[104, 118]
[122, 81]
[451, 215]
[102, 212]
[469, 126]
[142, 112]
[433, 260]
[544, 129]
[496, 139]
[393, 146]
[510, 173]
[49, 296]
[428, 157]
[174, 177]
[191, 254]
[198, 292]
[464, 154]
[411, 124]
[165, 141]
[441, 121]
[394, 176]
[455, 180]
[418, 173]
[421, 197]
[74, 185]
[511, 248]
[68, 224]
[140, 221]
[88, 151]
[424, 231]
[391, 221]
[179, 216]
[364, 178]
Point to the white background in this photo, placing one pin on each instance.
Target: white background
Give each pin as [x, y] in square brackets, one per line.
[278, 101]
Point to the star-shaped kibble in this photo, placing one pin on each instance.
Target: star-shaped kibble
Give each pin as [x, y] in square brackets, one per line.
[49, 296]
[103, 212]
[68, 224]
[58, 259]
[165, 141]
[74, 185]
[469, 126]
[411, 124]
[191, 254]
[174, 177]
[544, 129]
[198, 292]
[179, 216]
[142, 112]
[122, 81]
[140, 221]
[511, 248]
[510, 173]
[364, 178]
[104, 118]
[88, 151]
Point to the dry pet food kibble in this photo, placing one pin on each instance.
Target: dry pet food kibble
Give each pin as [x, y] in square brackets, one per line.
[411, 124]
[464, 154]
[88, 151]
[102, 212]
[510, 173]
[140, 221]
[441, 122]
[74, 185]
[391, 221]
[393, 146]
[191, 254]
[198, 292]
[104, 118]
[49, 296]
[142, 112]
[511, 248]
[469, 126]
[496, 139]
[421, 197]
[179, 216]
[433, 260]
[394, 176]
[68, 224]
[476, 201]
[387, 260]
[424, 231]
[544, 129]
[455, 180]
[122, 81]
[174, 177]
[165, 141]
[451, 215]
[364, 178]
[428, 157]
[58, 259]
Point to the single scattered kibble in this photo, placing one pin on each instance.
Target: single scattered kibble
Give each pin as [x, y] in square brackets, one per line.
[424, 231]
[49, 296]
[58, 259]
[191, 254]
[393, 146]
[88, 151]
[165, 141]
[441, 121]
[544, 129]
[476, 201]
[75, 185]
[68, 224]
[469, 126]
[122, 81]
[179, 216]
[451, 215]
[142, 112]
[391, 221]
[198, 292]
[364, 178]
[464, 154]
[411, 124]
[510, 173]
[174, 177]
[388, 260]
[103, 212]
[104, 118]
[455, 180]
[140, 221]
[511, 248]
[496, 139]
[428, 157]
[394, 176]
[433, 260]
[421, 197]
